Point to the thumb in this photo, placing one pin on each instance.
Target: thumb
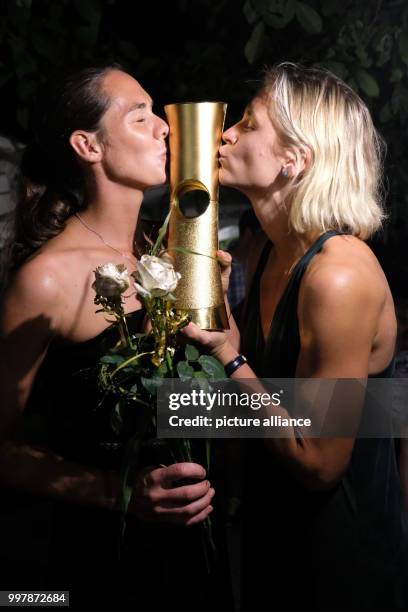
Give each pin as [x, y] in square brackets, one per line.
[224, 258]
[178, 471]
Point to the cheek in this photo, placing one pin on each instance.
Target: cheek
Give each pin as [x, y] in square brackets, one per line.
[137, 166]
[259, 166]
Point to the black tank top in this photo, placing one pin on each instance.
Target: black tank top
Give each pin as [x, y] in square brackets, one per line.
[341, 549]
[162, 565]
[277, 356]
[70, 411]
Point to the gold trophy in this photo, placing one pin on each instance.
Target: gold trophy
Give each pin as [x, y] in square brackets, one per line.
[195, 137]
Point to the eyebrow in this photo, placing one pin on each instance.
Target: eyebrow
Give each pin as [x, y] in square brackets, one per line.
[138, 106]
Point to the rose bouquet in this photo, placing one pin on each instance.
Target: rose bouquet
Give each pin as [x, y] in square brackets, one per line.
[132, 371]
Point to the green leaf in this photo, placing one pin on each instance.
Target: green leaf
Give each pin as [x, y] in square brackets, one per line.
[151, 384]
[212, 366]
[260, 6]
[192, 354]
[254, 45]
[116, 419]
[250, 14]
[201, 380]
[337, 68]
[396, 75]
[367, 83]
[403, 47]
[362, 56]
[161, 234]
[280, 13]
[162, 370]
[128, 370]
[308, 18]
[187, 251]
[184, 370]
[114, 359]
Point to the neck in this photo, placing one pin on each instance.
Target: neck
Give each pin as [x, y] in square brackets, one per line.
[289, 246]
[113, 212]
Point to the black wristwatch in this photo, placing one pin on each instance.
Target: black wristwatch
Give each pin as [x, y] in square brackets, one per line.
[233, 365]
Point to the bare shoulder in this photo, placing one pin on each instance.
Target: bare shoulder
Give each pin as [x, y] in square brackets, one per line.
[34, 290]
[345, 270]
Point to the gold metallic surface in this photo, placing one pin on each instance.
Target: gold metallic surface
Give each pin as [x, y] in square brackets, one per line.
[195, 137]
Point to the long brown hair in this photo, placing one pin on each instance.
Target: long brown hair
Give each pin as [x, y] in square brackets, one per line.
[52, 181]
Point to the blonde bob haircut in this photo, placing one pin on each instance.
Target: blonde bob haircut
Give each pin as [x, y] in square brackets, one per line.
[318, 116]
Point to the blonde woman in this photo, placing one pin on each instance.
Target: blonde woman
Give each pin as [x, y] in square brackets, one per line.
[324, 527]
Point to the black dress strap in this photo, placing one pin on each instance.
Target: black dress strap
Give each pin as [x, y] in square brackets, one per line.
[277, 356]
[282, 345]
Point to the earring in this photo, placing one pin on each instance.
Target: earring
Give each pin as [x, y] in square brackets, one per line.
[285, 172]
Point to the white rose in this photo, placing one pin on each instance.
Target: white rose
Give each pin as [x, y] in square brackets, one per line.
[111, 280]
[156, 276]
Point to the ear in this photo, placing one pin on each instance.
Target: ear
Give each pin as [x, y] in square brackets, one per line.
[304, 159]
[86, 146]
[297, 162]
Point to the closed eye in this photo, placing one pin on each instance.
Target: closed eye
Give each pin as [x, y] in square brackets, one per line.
[248, 125]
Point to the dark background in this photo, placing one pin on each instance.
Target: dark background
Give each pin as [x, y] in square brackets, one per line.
[202, 50]
[215, 49]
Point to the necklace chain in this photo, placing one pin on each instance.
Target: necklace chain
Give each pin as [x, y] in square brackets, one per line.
[101, 238]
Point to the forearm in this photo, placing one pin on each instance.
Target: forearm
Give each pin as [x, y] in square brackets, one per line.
[233, 333]
[42, 472]
[301, 456]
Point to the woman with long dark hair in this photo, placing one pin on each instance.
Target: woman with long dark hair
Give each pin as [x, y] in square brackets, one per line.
[97, 145]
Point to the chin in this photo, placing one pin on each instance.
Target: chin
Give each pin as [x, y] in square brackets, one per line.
[156, 179]
[226, 178]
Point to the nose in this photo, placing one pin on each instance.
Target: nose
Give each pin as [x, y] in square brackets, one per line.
[230, 136]
[162, 129]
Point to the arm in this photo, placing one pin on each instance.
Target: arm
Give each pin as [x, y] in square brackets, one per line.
[225, 261]
[32, 314]
[335, 343]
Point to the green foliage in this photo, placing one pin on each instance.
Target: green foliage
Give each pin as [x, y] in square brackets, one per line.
[364, 43]
[185, 371]
[212, 367]
[212, 48]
